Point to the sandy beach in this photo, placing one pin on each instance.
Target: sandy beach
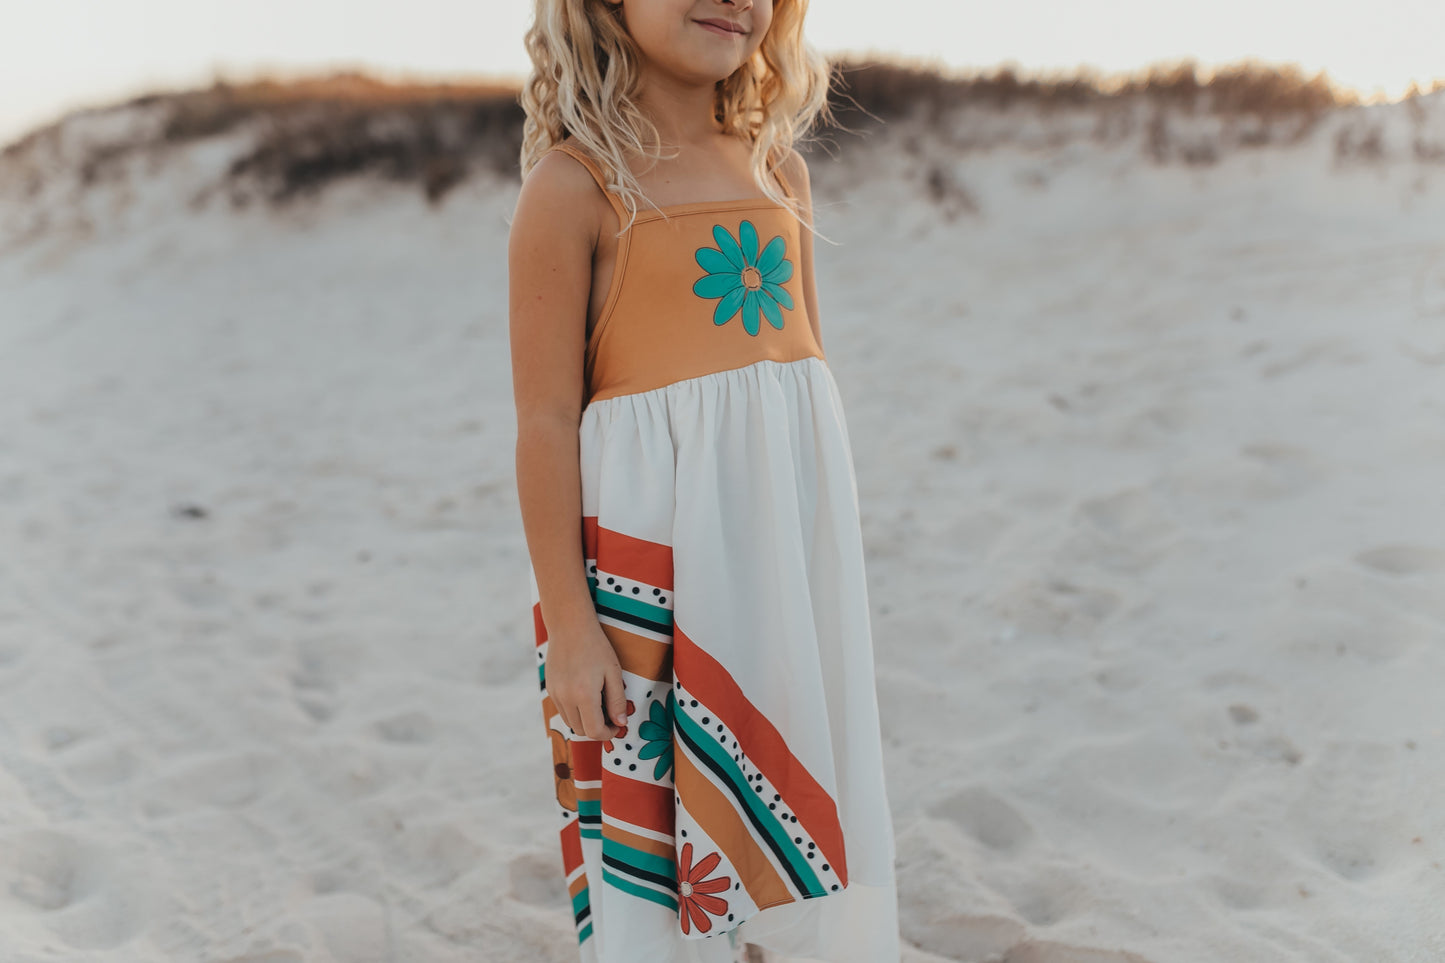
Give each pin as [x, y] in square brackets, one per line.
[1150, 455]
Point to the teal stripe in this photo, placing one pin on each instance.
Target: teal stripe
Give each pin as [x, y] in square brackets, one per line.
[584, 932]
[632, 606]
[589, 807]
[593, 833]
[662, 899]
[648, 862]
[744, 790]
[579, 902]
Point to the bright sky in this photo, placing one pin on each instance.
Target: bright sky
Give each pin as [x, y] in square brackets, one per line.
[58, 54]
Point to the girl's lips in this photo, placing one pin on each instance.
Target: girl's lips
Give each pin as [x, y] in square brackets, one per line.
[717, 30]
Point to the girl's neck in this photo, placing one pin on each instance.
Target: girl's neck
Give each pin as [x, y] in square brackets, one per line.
[682, 113]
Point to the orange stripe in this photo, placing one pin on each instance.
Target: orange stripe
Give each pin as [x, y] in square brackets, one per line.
[640, 803]
[634, 558]
[571, 846]
[640, 655]
[717, 817]
[655, 846]
[585, 757]
[711, 684]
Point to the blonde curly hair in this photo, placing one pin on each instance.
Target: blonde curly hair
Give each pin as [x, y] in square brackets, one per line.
[584, 84]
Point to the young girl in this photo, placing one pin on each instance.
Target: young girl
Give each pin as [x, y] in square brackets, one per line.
[688, 495]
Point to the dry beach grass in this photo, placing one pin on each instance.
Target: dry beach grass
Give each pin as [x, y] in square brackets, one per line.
[311, 132]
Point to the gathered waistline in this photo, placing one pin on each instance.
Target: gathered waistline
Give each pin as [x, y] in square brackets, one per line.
[694, 379]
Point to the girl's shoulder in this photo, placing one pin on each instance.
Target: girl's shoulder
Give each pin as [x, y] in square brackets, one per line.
[560, 178]
[587, 182]
[577, 156]
[559, 202]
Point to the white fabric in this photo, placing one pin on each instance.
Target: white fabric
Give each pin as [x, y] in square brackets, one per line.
[748, 475]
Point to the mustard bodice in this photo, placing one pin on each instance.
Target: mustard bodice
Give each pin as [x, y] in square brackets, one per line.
[715, 285]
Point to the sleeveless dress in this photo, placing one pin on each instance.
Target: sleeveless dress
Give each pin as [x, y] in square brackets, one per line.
[745, 802]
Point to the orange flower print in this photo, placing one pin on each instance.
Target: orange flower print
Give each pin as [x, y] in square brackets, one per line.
[623, 731]
[562, 771]
[694, 890]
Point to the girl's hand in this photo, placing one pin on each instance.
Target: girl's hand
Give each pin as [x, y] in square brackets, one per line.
[584, 680]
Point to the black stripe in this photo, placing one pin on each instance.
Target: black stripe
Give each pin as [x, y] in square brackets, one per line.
[752, 816]
[585, 912]
[631, 870]
[658, 627]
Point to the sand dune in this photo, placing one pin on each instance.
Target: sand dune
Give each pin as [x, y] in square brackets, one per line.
[1150, 459]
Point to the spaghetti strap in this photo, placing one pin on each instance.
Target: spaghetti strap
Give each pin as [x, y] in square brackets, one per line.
[596, 172]
[622, 213]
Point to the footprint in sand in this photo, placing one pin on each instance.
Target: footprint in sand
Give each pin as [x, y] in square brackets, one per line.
[1422, 340]
[1271, 746]
[229, 780]
[407, 727]
[1334, 610]
[1350, 808]
[1284, 469]
[1130, 513]
[314, 680]
[14, 666]
[1429, 287]
[86, 895]
[1242, 714]
[535, 878]
[1056, 605]
[1402, 559]
[1125, 531]
[985, 817]
[1048, 898]
[1049, 951]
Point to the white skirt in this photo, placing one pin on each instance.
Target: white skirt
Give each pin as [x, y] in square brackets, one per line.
[745, 802]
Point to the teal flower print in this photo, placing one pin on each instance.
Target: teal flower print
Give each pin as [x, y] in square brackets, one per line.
[657, 730]
[742, 278]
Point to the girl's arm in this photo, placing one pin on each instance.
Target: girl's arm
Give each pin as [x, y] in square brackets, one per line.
[549, 256]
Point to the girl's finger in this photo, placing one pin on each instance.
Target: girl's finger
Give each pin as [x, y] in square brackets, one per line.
[593, 722]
